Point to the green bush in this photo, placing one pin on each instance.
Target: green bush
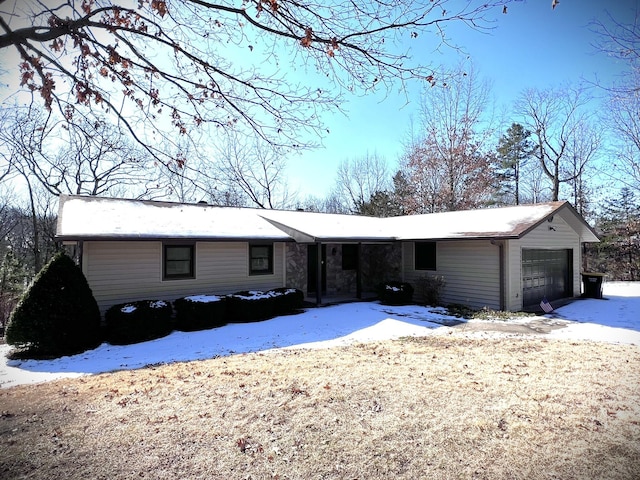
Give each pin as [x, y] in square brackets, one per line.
[57, 315]
[200, 312]
[395, 293]
[286, 300]
[250, 306]
[429, 288]
[138, 321]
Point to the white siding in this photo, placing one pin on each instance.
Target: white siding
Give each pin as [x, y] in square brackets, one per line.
[561, 237]
[120, 272]
[471, 271]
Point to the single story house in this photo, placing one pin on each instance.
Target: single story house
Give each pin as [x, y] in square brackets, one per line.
[501, 258]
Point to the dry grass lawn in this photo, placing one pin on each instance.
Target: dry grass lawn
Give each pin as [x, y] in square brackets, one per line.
[433, 408]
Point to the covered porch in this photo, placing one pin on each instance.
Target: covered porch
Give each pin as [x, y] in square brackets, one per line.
[330, 272]
[337, 258]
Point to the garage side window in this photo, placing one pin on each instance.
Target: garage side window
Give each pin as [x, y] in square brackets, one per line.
[260, 259]
[425, 255]
[178, 262]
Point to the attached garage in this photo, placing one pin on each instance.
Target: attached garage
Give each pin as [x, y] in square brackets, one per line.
[506, 258]
[546, 273]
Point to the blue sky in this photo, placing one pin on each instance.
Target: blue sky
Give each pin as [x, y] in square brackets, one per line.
[531, 46]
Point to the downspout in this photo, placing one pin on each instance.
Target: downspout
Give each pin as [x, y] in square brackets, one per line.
[500, 245]
[285, 248]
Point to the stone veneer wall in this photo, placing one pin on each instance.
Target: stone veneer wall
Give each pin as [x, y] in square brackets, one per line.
[379, 263]
[296, 257]
[339, 281]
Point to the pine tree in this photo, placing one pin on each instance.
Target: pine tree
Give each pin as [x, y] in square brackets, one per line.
[514, 149]
[57, 315]
[12, 283]
[380, 204]
[618, 253]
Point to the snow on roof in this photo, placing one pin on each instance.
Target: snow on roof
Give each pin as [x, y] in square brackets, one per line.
[490, 222]
[311, 226]
[93, 218]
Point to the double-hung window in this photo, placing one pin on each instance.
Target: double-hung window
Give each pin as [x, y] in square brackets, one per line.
[261, 259]
[178, 261]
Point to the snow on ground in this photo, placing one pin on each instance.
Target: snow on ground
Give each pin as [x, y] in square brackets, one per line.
[616, 319]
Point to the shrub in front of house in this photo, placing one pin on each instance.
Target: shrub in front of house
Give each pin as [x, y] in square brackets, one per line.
[429, 289]
[286, 300]
[57, 315]
[250, 306]
[395, 293]
[200, 312]
[139, 321]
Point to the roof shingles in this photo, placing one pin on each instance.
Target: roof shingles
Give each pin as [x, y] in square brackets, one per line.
[82, 217]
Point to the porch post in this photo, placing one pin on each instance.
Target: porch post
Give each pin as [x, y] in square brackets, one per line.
[319, 274]
[359, 272]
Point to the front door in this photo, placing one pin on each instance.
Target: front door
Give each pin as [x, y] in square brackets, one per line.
[546, 273]
[312, 268]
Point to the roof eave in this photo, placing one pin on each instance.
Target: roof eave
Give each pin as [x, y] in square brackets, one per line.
[588, 234]
[460, 237]
[355, 239]
[159, 238]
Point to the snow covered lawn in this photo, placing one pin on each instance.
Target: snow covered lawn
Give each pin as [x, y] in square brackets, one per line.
[615, 319]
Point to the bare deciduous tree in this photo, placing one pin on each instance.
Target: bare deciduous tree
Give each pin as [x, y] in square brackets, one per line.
[191, 63]
[448, 163]
[535, 186]
[621, 40]
[556, 118]
[358, 179]
[328, 204]
[86, 156]
[248, 171]
[623, 119]
[583, 149]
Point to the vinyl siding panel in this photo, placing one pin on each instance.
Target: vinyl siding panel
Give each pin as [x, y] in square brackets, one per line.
[542, 237]
[120, 272]
[471, 271]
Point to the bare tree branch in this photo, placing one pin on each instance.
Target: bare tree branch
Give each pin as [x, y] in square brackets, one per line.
[87, 156]
[556, 117]
[196, 63]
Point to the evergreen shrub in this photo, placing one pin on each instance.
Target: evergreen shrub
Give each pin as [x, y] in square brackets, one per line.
[429, 288]
[57, 314]
[395, 293]
[286, 300]
[250, 306]
[200, 312]
[139, 321]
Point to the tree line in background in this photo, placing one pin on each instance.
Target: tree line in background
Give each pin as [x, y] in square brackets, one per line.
[456, 156]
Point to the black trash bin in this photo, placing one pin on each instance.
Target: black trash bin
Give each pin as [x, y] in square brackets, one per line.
[592, 284]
